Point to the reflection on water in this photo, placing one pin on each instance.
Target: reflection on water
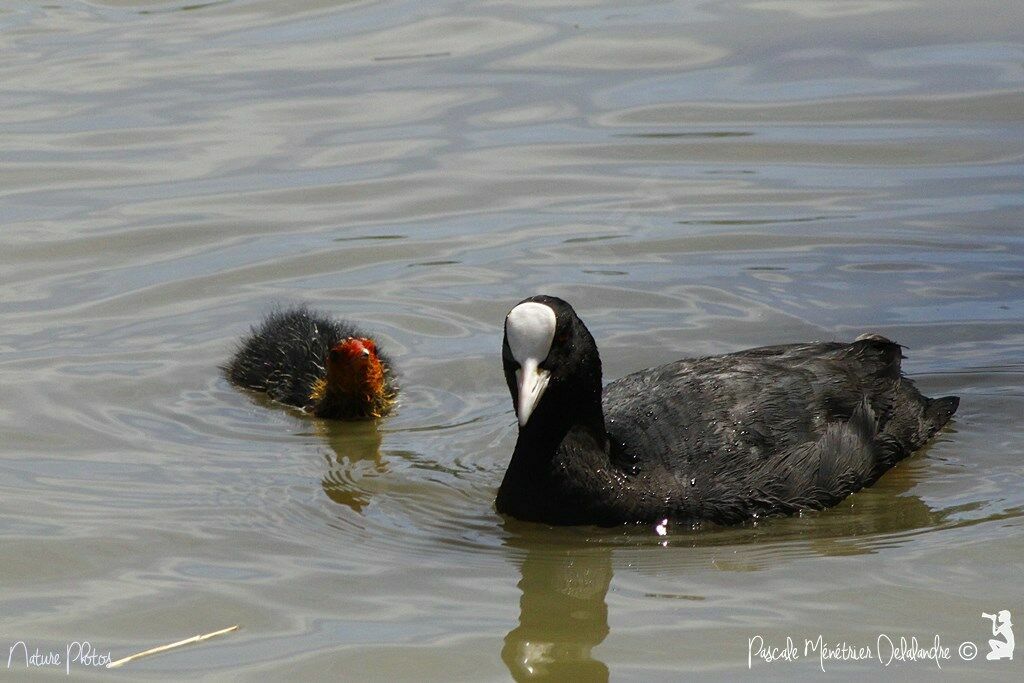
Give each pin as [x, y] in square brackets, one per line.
[356, 448]
[562, 613]
[565, 574]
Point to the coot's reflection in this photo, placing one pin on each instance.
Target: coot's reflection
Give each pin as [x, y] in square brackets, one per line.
[565, 574]
[356, 449]
[562, 613]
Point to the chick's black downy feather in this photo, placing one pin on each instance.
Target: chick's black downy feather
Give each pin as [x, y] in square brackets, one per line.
[284, 356]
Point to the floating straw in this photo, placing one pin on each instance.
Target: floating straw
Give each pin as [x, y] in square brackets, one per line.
[165, 648]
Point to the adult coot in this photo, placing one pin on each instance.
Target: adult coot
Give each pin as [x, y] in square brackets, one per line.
[326, 367]
[766, 431]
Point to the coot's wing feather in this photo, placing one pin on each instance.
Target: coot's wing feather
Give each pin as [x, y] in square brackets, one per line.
[767, 430]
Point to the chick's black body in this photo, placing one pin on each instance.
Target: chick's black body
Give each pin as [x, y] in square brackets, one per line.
[765, 431]
[285, 355]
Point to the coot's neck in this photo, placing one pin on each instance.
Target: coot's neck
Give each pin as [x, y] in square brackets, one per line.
[560, 451]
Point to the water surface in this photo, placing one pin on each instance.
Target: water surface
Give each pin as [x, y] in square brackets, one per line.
[695, 177]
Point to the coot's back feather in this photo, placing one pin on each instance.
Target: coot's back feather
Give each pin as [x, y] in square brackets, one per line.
[774, 429]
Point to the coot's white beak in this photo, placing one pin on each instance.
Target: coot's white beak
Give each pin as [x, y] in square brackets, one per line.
[529, 331]
[531, 381]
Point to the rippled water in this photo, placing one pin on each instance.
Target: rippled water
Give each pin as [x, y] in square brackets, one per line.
[695, 177]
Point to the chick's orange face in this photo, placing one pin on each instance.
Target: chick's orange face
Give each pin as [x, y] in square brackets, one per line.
[355, 382]
[353, 366]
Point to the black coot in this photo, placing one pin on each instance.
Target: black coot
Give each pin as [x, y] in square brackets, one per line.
[327, 367]
[766, 431]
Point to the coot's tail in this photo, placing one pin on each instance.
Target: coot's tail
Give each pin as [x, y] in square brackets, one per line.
[917, 418]
[914, 420]
[937, 413]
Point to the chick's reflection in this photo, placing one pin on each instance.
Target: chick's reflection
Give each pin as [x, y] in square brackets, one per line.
[356, 462]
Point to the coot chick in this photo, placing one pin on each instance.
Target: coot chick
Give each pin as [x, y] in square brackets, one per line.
[722, 439]
[326, 367]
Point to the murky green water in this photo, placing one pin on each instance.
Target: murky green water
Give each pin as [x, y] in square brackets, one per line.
[695, 177]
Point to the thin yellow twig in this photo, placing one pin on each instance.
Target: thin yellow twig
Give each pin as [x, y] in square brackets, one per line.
[165, 648]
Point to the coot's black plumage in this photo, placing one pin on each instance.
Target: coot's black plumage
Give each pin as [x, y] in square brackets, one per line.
[724, 439]
[306, 359]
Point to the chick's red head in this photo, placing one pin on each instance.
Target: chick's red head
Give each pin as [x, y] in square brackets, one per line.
[353, 366]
